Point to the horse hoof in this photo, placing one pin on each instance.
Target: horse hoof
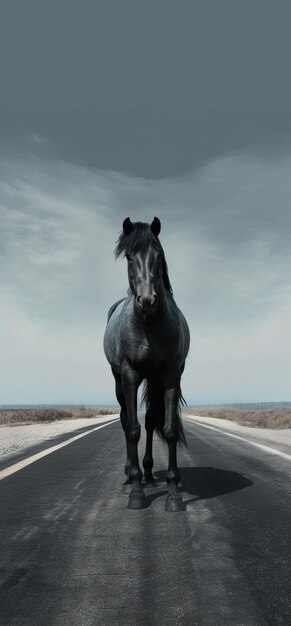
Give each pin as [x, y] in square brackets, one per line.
[136, 501]
[149, 483]
[174, 505]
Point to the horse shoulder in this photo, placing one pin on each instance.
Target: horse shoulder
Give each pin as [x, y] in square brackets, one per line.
[113, 307]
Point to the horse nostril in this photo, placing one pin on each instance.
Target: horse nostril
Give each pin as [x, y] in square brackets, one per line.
[147, 302]
[150, 302]
[153, 300]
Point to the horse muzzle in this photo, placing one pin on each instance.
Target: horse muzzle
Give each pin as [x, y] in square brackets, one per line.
[147, 304]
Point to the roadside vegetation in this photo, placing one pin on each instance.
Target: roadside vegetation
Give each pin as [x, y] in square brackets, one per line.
[47, 414]
[261, 418]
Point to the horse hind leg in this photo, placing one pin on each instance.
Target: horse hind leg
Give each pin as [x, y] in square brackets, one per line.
[127, 466]
[154, 420]
[174, 501]
[148, 457]
[154, 411]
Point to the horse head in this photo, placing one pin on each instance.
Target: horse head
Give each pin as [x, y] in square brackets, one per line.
[147, 270]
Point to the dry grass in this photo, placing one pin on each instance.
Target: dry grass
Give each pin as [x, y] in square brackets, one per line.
[30, 416]
[261, 418]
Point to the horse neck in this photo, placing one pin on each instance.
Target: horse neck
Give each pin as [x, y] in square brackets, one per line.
[164, 296]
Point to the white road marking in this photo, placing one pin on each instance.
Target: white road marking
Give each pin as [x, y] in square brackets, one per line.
[283, 455]
[35, 457]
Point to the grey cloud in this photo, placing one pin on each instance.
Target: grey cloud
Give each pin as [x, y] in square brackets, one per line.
[145, 55]
[225, 232]
[149, 88]
[142, 109]
[225, 229]
[153, 144]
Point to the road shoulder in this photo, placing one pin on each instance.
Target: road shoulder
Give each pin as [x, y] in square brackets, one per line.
[20, 438]
[279, 439]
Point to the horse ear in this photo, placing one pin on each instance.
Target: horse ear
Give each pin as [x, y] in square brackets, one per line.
[156, 226]
[127, 226]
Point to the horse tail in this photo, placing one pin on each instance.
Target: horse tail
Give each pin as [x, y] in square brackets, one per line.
[153, 398]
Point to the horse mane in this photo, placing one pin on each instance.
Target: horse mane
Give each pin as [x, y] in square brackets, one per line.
[139, 240]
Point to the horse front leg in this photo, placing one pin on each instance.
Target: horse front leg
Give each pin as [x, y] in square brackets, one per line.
[130, 383]
[123, 419]
[171, 431]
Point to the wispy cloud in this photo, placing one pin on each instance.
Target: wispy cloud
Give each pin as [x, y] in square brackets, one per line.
[225, 231]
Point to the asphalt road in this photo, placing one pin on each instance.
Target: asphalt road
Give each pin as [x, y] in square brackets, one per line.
[72, 554]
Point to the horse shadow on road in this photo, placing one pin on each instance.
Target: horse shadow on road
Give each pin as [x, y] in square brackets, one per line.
[201, 482]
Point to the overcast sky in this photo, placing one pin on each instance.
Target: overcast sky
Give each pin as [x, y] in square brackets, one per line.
[176, 109]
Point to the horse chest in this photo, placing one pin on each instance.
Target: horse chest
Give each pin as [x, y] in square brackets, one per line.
[151, 353]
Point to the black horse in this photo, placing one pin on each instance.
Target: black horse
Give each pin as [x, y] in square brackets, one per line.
[147, 338]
